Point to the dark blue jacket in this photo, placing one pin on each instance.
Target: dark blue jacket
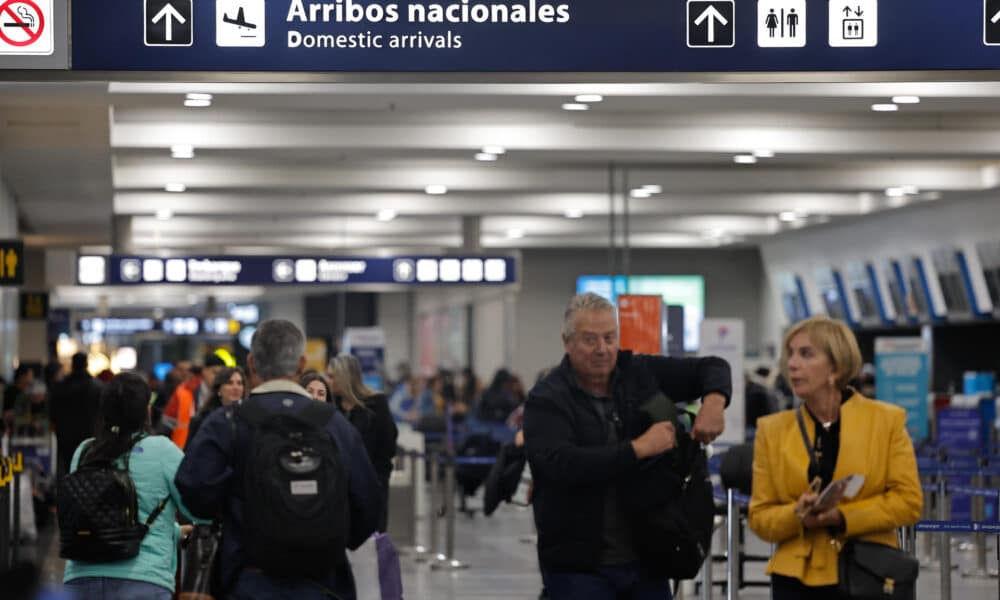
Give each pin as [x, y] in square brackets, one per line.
[209, 483]
[572, 464]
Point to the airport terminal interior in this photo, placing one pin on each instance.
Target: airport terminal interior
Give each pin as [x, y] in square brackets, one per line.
[433, 222]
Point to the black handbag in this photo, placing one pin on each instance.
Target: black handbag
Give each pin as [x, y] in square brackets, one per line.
[200, 568]
[868, 570]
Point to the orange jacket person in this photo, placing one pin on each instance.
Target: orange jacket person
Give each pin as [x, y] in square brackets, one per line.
[851, 434]
[177, 415]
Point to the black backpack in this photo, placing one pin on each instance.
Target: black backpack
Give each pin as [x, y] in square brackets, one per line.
[99, 513]
[295, 491]
[673, 510]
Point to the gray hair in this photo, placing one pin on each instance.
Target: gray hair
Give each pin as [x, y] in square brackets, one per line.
[582, 302]
[276, 348]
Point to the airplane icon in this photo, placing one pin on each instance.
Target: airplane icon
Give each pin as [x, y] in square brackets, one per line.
[239, 21]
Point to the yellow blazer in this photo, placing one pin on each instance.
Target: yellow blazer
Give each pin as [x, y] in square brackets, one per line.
[873, 442]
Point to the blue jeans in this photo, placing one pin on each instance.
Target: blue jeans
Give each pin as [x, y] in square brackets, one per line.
[625, 582]
[113, 588]
[252, 585]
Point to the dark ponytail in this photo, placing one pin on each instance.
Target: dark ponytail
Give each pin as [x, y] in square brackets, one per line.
[124, 414]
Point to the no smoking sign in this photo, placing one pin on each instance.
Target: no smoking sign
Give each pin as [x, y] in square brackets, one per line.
[25, 26]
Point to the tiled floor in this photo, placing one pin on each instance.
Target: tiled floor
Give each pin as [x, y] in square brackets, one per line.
[503, 567]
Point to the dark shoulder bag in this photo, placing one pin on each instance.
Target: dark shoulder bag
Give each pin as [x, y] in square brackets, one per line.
[868, 570]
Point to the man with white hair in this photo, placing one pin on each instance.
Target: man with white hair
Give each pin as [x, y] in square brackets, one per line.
[290, 478]
[586, 429]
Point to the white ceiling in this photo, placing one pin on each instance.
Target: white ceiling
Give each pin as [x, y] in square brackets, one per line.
[306, 166]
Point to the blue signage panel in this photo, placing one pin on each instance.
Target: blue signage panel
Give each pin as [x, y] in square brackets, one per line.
[535, 35]
[902, 378]
[295, 270]
[959, 430]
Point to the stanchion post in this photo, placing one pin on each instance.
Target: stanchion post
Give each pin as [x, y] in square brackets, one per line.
[732, 546]
[432, 513]
[420, 551]
[15, 538]
[706, 573]
[447, 561]
[927, 540]
[5, 511]
[944, 545]
[979, 514]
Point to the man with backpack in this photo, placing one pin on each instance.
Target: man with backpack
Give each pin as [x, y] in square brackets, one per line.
[289, 477]
[621, 498]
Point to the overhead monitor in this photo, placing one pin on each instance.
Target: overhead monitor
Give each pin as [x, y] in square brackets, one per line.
[683, 290]
[831, 289]
[918, 296]
[896, 284]
[957, 303]
[863, 291]
[989, 258]
[793, 297]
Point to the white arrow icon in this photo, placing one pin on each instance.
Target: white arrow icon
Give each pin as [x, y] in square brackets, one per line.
[169, 13]
[995, 18]
[713, 16]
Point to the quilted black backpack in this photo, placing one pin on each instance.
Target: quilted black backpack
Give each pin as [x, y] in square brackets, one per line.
[99, 513]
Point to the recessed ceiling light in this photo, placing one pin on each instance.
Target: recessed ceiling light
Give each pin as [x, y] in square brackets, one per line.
[485, 156]
[573, 213]
[906, 99]
[199, 96]
[498, 150]
[515, 234]
[640, 193]
[164, 214]
[910, 190]
[197, 103]
[176, 188]
[764, 153]
[713, 234]
[436, 189]
[788, 217]
[745, 159]
[182, 151]
[385, 214]
[575, 106]
[895, 192]
[653, 188]
[885, 107]
[589, 98]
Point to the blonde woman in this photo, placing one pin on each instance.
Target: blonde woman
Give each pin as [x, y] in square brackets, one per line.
[368, 411]
[848, 434]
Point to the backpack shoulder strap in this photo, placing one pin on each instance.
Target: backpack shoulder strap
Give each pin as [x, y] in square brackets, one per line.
[317, 414]
[156, 512]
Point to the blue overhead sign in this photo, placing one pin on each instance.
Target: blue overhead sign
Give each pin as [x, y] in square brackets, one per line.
[295, 270]
[536, 35]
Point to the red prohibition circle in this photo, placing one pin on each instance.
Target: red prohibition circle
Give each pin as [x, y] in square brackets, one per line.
[32, 35]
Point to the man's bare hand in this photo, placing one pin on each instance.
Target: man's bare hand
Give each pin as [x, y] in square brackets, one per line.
[659, 438]
[711, 419]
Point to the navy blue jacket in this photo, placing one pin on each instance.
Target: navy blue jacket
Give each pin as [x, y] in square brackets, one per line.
[209, 484]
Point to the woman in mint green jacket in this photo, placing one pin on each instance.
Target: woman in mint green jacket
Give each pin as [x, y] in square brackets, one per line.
[153, 463]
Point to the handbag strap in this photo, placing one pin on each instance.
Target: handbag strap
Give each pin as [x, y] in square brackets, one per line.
[156, 512]
[805, 440]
